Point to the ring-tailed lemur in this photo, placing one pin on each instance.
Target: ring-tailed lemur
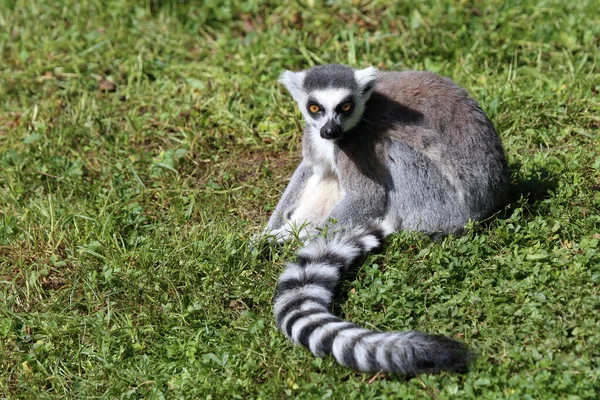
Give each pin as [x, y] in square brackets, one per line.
[382, 151]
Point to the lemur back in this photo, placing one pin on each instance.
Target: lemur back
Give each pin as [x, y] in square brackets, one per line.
[445, 164]
[382, 151]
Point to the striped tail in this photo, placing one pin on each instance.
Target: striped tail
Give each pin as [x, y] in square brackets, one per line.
[302, 309]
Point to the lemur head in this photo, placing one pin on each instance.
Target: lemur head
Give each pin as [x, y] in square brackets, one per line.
[331, 97]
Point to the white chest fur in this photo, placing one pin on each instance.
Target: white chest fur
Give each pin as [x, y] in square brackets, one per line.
[319, 196]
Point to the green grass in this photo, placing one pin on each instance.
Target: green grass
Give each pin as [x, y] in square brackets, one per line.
[125, 214]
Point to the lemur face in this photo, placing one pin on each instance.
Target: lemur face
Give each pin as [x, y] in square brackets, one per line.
[331, 111]
[331, 97]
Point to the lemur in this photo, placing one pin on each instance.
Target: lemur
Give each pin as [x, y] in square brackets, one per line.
[382, 152]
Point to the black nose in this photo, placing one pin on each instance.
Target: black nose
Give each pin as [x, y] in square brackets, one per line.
[331, 130]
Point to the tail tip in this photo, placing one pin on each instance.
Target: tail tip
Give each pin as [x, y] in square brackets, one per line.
[444, 354]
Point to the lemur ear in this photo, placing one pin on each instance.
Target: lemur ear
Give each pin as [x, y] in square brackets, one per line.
[293, 83]
[366, 79]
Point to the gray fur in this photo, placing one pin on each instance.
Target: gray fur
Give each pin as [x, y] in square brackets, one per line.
[290, 197]
[330, 75]
[415, 153]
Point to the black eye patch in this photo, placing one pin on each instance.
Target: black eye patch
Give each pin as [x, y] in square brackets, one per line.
[345, 106]
[314, 107]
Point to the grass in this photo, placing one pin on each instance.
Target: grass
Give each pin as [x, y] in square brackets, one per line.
[143, 142]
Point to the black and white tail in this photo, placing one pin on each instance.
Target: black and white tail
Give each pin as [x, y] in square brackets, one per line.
[303, 301]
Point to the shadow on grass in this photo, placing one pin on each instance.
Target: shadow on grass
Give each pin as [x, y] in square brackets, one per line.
[531, 187]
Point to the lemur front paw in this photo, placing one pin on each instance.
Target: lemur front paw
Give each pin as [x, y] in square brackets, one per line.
[287, 233]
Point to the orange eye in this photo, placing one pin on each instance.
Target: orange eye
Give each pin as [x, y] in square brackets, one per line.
[313, 108]
[346, 107]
